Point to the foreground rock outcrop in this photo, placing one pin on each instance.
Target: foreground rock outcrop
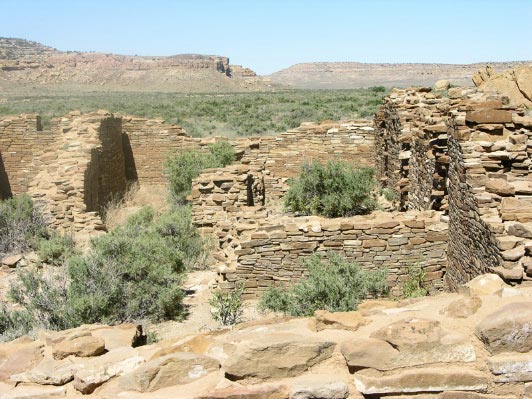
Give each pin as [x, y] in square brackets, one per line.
[416, 349]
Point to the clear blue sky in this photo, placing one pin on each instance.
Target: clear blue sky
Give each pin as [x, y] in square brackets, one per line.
[271, 35]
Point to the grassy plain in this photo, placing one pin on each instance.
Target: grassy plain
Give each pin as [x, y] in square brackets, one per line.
[234, 114]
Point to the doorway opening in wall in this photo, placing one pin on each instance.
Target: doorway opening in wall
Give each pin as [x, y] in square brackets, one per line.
[249, 186]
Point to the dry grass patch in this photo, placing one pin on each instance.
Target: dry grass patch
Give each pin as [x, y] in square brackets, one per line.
[118, 210]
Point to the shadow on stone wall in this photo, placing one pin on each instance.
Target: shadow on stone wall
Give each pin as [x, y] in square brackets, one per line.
[5, 187]
[129, 159]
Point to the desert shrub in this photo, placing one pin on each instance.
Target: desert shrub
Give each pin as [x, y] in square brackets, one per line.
[226, 306]
[335, 189]
[177, 227]
[133, 273]
[21, 223]
[414, 285]
[335, 285]
[182, 168]
[13, 323]
[377, 89]
[55, 249]
[389, 195]
[223, 153]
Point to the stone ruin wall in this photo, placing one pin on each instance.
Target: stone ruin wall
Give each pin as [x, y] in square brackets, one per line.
[411, 148]
[231, 202]
[272, 255]
[262, 246]
[466, 155]
[490, 191]
[24, 146]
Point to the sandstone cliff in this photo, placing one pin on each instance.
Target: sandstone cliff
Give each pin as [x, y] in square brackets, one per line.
[29, 63]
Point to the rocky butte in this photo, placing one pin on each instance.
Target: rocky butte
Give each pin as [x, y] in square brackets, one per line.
[458, 160]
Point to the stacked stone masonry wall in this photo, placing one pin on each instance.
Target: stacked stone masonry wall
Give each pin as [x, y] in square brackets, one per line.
[231, 202]
[411, 150]
[490, 191]
[273, 253]
[24, 147]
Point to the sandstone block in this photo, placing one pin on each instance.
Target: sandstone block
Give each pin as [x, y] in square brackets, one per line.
[500, 187]
[410, 332]
[84, 346]
[422, 380]
[317, 387]
[486, 284]
[462, 308]
[48, 372]
[489, 116]
[442, 84]
[176, 369]
[323, 319]
[276, 356]
[249, 392]
[511, 368]
[507, 329]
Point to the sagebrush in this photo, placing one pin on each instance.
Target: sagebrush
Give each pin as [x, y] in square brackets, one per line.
[21, 224]
[134, 273]
[334, 189]
[335, 284]
[183, 167]
[231, 114]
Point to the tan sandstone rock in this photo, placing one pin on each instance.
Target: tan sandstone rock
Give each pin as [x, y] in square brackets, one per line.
[316, 386]
[508, 329]
[21, 358]
[485, 284]
[176, 369]
[85, 346]
[422, 380]
[276, 356]
[99, 370]
[250, 392]
[49, 372]
[462, 308]
[323, 319]
[411, 332]
[442, 84]
[32, 392]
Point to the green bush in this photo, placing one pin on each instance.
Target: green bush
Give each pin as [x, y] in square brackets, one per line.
[55, 249]
[336, 285]
[13, 323]
[389, 194]
[182, 168]
[414, 285]
[227, 306]
[21, 223]
[133, 273]
[335, 189]
[377, 89]
[223, 153]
